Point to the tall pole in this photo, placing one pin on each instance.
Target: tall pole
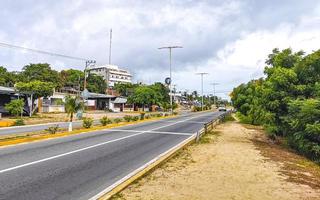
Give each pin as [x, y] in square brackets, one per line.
[170, 60]
[214, 92]
[202, 73]
[110, 46]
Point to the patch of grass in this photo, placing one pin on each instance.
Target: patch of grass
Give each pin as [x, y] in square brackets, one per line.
[228, 118]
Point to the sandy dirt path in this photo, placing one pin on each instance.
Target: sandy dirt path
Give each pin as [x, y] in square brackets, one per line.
[227, 165]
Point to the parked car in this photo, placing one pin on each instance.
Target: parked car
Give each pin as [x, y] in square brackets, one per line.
[222, 108]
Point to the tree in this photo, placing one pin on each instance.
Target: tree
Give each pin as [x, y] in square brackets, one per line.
[286, 101]
[35, 89]
[72, 105]
[40, 72]
[125, 89]
[95, 83]
[15, 107]
[161, 93]
[7, 78]
[72, 77]
[142, 96]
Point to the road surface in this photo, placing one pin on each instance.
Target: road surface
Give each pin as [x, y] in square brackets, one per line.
[81, 166]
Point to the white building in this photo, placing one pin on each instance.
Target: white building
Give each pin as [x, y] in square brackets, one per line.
[112, 74]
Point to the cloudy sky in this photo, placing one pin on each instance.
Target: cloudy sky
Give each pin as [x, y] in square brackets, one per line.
[229, 39]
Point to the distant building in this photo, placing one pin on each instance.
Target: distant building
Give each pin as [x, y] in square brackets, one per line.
[112, 74]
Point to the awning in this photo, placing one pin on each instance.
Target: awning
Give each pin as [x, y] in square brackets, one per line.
[7, 90]
[120, 100]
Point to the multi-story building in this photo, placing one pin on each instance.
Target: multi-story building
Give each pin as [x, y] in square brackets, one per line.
[112, 74]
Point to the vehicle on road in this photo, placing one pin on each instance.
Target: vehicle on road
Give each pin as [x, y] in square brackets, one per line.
[222, 108]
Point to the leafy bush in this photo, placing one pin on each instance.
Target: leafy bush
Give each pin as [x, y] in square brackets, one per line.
[166, 114]
[117, 120]
[175, 113]
[87, 122]
[15, 107]
[142, 115]
[128, 118]
[19, 122]
[105, 120]
[53, 129]
[135, 118]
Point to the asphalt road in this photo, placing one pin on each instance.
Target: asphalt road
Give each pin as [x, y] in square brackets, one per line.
[81, 166]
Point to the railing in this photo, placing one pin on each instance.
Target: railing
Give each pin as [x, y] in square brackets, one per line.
[210, 125]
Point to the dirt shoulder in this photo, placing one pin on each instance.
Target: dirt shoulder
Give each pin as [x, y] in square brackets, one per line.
[235, 162]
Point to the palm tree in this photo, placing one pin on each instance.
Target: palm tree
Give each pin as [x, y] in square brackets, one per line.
[72, 105]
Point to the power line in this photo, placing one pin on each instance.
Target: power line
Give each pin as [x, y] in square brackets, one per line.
[40, 51]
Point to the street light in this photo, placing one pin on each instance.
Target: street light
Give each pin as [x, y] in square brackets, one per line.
[202, 73]
[170, 52]
[214, 92]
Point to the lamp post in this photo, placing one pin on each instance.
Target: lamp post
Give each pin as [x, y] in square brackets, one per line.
[214, 92]
[201, 74]
[170, 58]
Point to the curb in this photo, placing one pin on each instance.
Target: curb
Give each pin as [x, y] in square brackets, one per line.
[141, 171]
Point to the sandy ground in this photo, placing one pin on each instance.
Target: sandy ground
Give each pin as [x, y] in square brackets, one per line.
[230, 164]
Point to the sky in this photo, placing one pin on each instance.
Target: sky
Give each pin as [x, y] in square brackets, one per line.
[229, 39]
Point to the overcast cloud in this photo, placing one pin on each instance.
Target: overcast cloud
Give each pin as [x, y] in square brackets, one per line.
[228, 39]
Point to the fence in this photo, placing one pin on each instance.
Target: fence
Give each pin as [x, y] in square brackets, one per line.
[210, 125]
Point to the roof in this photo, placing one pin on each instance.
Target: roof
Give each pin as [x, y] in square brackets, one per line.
[120, 100]
[102, 96]
[7, 90]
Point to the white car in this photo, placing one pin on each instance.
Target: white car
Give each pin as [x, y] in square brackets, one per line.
[221, 108]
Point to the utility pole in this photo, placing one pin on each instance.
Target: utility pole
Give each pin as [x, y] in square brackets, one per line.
[88, 63]
[214, 92]
[110, 46]
[170, 58]
[201, 74]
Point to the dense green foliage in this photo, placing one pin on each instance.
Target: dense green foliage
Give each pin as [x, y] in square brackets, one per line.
[43, 72]
[286, 101]
[145, 95]
[15, 107]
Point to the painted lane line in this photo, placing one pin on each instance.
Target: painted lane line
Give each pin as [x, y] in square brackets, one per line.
[65, 154]
[83, 149]
[136, 131]
[132, 173]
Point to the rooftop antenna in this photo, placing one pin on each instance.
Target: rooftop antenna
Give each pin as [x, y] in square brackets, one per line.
[110, 47]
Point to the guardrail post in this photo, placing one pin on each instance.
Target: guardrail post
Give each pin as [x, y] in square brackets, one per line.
[205, 128]
[198, 136]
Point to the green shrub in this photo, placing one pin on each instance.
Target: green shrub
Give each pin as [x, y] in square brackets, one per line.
[105, 120]
[128, 118]
[15, 107]
[87, 122]
[135, 118]
[158, 115]
[19, 122]
[53, 129]
[166, 114]
[142, 115]
[175, 113]
[117, 120]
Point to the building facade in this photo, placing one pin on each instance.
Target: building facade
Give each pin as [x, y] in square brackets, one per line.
[112, 74]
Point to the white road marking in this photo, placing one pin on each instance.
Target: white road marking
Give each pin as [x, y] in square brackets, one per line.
[89, 147]
[160, 132]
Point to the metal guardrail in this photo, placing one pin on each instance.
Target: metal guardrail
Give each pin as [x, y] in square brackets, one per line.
[210, 125]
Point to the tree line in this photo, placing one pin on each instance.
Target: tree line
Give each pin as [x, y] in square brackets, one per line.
[286, 101]
[42, 74]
